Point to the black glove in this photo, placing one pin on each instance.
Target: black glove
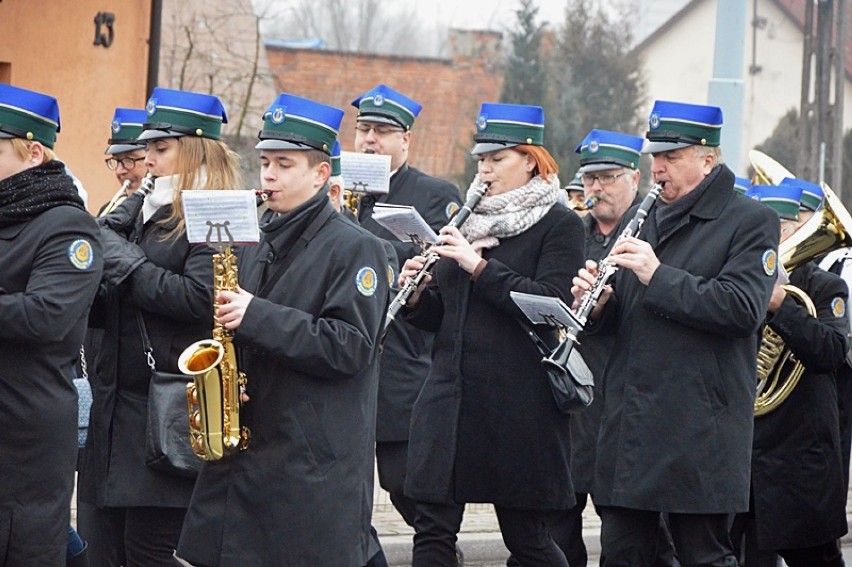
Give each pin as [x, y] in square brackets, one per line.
[122, 219]
[120, 256]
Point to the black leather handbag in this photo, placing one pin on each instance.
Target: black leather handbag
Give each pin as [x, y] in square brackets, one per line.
[167, 442]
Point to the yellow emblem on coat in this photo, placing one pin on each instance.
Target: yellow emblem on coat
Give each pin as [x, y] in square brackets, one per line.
[770, 262]
[365, 281]
[390, 275]
[452, 209]
[838, 307]
[80, 254]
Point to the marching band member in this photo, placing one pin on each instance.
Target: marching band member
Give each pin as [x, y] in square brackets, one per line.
[798, 489]
[501, 438]
[577, 196]
[678, 393]
[157, 276]
[306, 321]
[385, 121]
[126, 153]
[52, 265]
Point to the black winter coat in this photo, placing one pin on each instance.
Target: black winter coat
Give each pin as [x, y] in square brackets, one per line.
[797, 470]
[485, 427]
[46, 289]
[302, 492]
[679, 387]
[407, 351]
[173, 291]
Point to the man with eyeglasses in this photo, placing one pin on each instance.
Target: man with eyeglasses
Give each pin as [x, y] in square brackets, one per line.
[683, 310]
[126, 155]
[385, 119]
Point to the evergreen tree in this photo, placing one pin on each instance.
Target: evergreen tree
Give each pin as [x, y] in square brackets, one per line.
[782, 144]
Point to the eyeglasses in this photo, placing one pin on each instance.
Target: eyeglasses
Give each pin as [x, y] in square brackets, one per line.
[379, 129]
[605, 179]
[126, 162]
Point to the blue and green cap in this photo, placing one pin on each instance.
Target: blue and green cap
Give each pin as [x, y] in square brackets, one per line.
[783, 200]
[296, 123]
[675, 125]
[742, 185]
[384, 105]
[28, 115]
[812, 193]
[172, 114]
[126, 127]
[500, 126]
[335, 159]
[603, 149]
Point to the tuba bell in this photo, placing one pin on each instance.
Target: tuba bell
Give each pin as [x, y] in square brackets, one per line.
[778, 369]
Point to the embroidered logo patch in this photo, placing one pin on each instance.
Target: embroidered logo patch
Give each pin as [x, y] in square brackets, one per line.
[481, 121]
[116, 126]
[80, 254]
[654, 120]
[452, 209]
[378, 100]
[151, 107]
[365, 281]
[278, 115]
[838, 307]
[770, 262]
[391, 277]
[594, 147]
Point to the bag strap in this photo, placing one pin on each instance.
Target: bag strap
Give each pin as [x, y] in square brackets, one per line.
[147, 349]
[84, 367]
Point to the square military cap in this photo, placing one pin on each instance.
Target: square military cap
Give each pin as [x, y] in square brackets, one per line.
[385, 105]
[783, 200]
[674, 125]
[812, 193]
[604, 149]
[335, 159]
[500, 126]
[126, 127]
[742, 185]
[296, 123]
[172, 114]
[28, 115]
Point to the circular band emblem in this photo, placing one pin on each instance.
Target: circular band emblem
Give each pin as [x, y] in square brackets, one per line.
[594, 146]
[481, 122]
[80, 254]
[365, 281]
[452, 209]
[654, 120]
[390, 276]
[277, 116]
[770, 262]
[378, 100]
[838, 307]
[151, 107]
[116, 126]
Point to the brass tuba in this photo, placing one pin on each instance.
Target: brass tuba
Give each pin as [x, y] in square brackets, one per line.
[778, 369]
[213, 397]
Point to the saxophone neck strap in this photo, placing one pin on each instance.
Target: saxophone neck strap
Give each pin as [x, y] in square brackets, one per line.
[147, 349]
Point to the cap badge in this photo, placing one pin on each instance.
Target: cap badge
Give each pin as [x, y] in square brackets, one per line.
[365, 281]
[151, 107]
[116, 126]
[80, 254]
[770, 262]
[594, 146]
[838, 307]
[654, 120]
[277, 116]
[481, 122]
[378, 100]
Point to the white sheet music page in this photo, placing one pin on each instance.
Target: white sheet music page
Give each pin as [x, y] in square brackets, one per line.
[365, 173]
[226, 217]
[404, 222]
[543, 310]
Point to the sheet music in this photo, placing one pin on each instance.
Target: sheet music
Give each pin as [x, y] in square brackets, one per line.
[543, 310]
[405, 223]
[207, 212]
[365, 173]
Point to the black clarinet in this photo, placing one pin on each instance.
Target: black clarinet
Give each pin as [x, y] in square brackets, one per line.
[475, 194]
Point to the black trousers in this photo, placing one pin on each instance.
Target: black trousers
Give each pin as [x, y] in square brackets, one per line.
[132, 537]
[391, 458]
[827, 554]
[629, 538]
[525, 534]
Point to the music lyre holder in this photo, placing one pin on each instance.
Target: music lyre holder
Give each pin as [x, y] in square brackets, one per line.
[359, 186]
[220, 244]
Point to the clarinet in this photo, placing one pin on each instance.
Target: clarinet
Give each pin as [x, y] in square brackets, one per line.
[123, 217]
[558, 359]
[475, 194]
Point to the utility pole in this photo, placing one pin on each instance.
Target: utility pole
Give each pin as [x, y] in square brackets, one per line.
[823, 80]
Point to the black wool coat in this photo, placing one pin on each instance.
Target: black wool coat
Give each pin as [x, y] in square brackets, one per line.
[797, 470]
[46, 289]
[406, 354]
[302, 492]
[485, 427]
[679, 387]
[172, 289]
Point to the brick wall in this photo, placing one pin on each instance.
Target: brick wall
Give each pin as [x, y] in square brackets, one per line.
[450, 90]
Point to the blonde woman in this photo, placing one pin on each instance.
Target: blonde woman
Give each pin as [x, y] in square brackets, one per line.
[158, 275]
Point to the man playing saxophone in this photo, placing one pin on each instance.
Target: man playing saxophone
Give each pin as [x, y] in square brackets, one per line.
[798, 487]
[683, 310]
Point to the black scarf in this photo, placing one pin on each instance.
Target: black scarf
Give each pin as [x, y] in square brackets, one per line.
[27, 194]
[667, 217]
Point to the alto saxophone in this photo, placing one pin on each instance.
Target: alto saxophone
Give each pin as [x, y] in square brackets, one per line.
[213, 397]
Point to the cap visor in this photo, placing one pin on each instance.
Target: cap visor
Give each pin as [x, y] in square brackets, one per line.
[121, 148]
[272, 144]
[600, 167]
[157, 134]
[6, 135]
[488, 147]
[379, 119]
[660, 147]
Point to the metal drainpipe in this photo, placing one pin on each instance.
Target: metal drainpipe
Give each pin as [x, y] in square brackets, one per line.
[154, 46]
